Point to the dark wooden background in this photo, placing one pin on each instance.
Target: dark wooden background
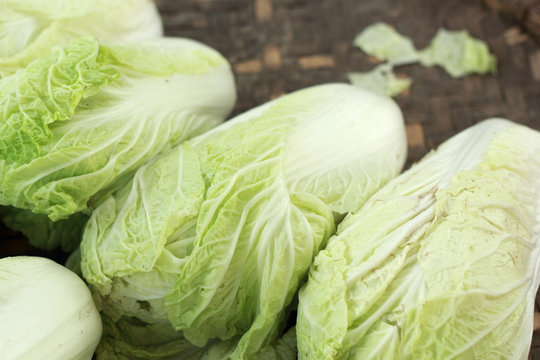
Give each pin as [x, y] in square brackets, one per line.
[277, 46]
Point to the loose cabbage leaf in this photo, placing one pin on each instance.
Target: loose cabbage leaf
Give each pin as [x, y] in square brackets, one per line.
[30, 28]
[440, 263]
[77, 123]
[385, 43]
[132, 339]
[380, 80]
[216, 235]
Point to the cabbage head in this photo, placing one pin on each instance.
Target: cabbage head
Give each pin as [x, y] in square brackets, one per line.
[77, 123]
[441, 263]
[30, 28]
[216, 236]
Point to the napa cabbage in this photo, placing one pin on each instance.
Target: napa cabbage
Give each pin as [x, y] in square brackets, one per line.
[441, 263]
[30, 28]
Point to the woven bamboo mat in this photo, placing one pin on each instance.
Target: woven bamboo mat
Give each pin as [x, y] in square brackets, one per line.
[277, 46]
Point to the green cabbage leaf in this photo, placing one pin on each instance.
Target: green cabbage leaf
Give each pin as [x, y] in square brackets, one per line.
[30, 28]
[380, 80]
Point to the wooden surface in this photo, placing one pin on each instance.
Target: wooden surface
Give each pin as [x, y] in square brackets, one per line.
[277, 46]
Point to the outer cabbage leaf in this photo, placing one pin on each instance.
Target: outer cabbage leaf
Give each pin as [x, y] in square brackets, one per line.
[30, 28]
[441, 263]
[216, 235]
[76, 124]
